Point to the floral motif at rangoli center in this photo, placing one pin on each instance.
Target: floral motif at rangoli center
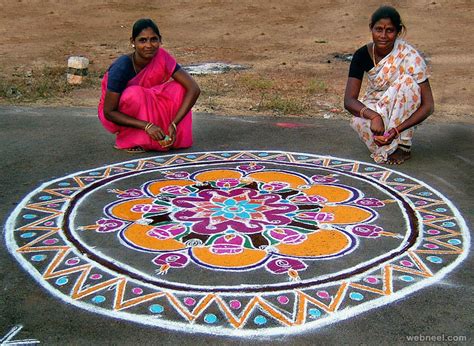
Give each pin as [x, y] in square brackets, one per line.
[243, 218]
[242, 209]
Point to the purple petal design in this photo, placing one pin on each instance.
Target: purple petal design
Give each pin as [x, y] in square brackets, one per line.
[251, 167]
[176, 190]
[275, 186]
[109, 225]
[315, 216]
[228, 183]
[130, 193]
[366, 231]
[315, 199]
[177, 175]
[323, 179]
[228, 244]
[149, 208]
[242, 209]
[175, 260]
[287, 236]
[370, 202]
[283, 265]
[167, 231]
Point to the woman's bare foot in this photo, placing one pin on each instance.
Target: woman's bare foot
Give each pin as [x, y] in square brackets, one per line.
[398, 157]
[134, 150]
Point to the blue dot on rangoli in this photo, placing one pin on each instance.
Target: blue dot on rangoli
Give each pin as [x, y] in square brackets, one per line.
[356, 296]
[210, 318]
[28, 235]
[64, 184]
[314, 313]
[407, 278]
[454, 241]
[30, 216]
[98, 299]
[434, 259]
[156, 308]
[129, 165]
[441, 210]
[260, 320]
[449, 224]
[62, 281]
[38, 258]
[45, 198]
[369, 169]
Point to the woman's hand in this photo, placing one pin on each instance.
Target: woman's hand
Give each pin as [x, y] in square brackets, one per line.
[386, 138]
[155, 133]
[170, 138]
[172, 130]
[376, 125]
[353, 105]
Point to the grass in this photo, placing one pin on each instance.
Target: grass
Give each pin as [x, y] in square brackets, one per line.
[283, 105]
[258, 83]
[258, 93]
[46, 83]
[246, 92]
[316, 87]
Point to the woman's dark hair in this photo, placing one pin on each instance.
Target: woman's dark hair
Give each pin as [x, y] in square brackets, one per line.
[142, 24]
[390, 13]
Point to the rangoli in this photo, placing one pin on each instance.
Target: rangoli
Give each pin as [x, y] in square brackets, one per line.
[236, 243]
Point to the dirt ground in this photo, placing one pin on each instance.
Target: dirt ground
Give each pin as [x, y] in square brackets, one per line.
[290, 47]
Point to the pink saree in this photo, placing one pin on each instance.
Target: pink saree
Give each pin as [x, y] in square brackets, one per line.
[152, 97]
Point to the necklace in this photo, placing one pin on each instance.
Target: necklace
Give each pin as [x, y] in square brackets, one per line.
[133, 63]
[373, 54]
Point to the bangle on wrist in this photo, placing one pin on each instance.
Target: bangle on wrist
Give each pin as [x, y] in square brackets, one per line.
[362, 112]
[174, 125]
[148, 126]
[397, 132]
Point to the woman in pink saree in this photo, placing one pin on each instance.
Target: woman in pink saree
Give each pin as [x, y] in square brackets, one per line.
[147, 97]
[398, 94]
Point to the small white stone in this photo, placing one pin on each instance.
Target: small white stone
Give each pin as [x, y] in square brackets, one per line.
[78, 62]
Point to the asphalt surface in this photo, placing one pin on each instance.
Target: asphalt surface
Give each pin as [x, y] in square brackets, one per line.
[40, 144]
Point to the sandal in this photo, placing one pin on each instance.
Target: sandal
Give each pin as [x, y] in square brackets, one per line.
[134, 150]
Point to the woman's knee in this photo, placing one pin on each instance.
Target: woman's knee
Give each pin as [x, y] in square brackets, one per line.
[130, 99]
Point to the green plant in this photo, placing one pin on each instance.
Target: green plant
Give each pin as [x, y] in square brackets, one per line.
[284, 105]
[316, 86]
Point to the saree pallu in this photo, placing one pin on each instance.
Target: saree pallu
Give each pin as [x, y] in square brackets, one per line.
[393, 92]
[152, 97]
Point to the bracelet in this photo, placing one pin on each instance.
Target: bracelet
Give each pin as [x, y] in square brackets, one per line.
[148, 126]
[174, 125]
[398, 132]
[361, 112]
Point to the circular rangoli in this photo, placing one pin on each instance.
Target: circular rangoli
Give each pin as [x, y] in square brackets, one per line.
[236, 243]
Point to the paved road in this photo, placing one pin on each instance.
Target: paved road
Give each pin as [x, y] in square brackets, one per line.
[40, 144]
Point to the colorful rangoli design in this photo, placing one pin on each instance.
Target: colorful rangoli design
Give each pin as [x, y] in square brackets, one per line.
[236, 243]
